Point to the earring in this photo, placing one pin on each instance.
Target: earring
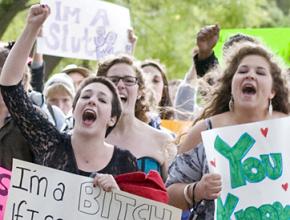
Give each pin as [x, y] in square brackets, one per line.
[270, 108]
[231, 104]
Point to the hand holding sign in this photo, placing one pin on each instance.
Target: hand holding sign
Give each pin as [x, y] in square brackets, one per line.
[85, 29]
[106, 182]
[209, 187]
[69, 196]
[252, 159]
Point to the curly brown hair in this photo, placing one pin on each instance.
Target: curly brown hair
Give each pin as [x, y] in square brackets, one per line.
[222, 95]
[141, 105]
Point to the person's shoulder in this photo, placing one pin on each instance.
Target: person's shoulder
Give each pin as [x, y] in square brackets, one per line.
[279, 114]
[158, 137]
[221, 120]
[161, 135]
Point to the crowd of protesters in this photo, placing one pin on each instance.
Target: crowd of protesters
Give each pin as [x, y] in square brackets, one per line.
[107, 122]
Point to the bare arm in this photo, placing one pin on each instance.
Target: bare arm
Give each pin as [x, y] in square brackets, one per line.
[192, 138]
[132, 39]
[13, 69]
[176, 197]
[209, 188]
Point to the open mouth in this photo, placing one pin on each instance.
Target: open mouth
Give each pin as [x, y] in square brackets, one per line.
[123, 98]
[249, 89]
[89, 116]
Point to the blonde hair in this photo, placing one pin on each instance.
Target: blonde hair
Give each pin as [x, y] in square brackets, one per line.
[54, 89]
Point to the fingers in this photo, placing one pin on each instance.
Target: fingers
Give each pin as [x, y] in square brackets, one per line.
[210, 186]
[131, 36]
[38, 14]
[106, 182]
[40, 9]
[208, 32]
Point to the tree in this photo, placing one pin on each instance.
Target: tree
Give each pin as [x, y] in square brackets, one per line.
[8, 10]
[167, 29]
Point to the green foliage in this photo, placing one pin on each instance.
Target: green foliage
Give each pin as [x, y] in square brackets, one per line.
[17, 23]
[166, 29]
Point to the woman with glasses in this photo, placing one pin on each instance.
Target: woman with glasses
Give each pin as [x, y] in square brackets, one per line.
[148, 145]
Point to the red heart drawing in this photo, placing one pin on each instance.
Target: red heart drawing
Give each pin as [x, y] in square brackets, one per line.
[264, 131]
[285, 186]
[213, 163]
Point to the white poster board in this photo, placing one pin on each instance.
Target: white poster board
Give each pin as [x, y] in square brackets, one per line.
[39, 192]
[84, 29]
[254, 162]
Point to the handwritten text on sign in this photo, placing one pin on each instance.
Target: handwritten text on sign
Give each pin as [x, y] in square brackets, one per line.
[5, 176]
[39, 192]
[253, 160]
[85, 29]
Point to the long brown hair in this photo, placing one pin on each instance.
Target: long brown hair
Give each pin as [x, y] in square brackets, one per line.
[222, 95]
[141, 105]
[165, 104]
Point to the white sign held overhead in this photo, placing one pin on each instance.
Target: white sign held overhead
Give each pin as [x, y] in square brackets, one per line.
[84, 29]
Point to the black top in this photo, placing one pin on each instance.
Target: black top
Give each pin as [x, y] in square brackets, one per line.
[13, 145]
[50, 147]
[203, 66]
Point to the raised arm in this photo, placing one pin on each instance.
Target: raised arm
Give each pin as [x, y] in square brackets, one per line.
[185, 97]
[206, 40]
[13, 69]
[132, 37]
[37, 68]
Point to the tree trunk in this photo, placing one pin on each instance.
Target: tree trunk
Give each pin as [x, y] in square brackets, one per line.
[50, 63]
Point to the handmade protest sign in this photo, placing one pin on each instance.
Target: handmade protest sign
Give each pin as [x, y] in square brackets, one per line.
[39, 192]
[84, 29]
[276, 38]
[5, 176]
[253, 160]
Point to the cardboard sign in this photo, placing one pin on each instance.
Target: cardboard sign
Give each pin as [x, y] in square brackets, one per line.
[276, 38]
[5, 176]
[39, 192]
[85, 29]
[253, 160]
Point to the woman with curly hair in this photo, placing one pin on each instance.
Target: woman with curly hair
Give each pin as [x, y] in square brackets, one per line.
[252, 88]
[132, 127]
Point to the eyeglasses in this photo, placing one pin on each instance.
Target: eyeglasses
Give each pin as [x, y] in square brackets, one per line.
[127, 80]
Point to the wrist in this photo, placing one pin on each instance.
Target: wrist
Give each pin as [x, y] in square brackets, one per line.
[187, 196]
[197, 194]
[202, 55]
